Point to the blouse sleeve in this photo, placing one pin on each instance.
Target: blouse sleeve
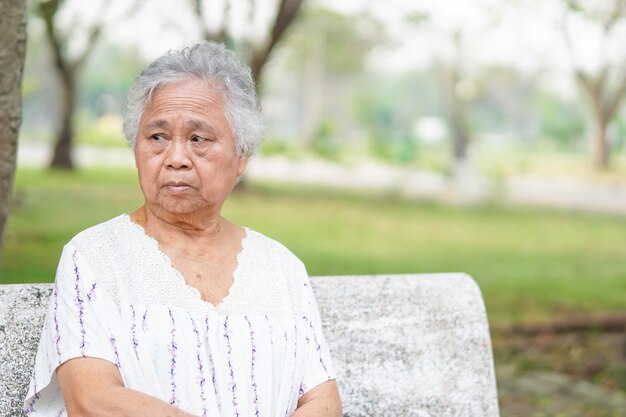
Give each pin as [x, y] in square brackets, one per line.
[75, 326]
[318, 368]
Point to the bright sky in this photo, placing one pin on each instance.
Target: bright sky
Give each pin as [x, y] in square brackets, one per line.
[519, 33]
[525, 34]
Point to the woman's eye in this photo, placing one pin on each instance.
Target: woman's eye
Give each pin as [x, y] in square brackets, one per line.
[198, 139]
[157, 138]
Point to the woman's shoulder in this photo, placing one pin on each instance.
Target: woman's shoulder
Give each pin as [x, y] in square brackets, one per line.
[95, 255]
[104, 239]
[102, 230]
[271, 247]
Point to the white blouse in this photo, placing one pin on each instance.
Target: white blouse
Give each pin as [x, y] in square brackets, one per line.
[117, 297]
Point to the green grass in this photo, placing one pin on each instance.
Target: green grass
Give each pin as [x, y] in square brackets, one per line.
[530, 263]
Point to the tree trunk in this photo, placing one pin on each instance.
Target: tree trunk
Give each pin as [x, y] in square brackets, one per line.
[604, 103]
[62, 157]
[600, 148]
[595, 91]
[285, 15]
[313, 93]
[12, 52]
[461, 138]
[458, 116]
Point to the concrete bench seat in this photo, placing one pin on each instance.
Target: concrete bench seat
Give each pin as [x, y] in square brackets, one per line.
[403, 345]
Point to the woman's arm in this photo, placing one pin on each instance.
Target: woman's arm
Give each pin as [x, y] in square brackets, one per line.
[321, 401]
[94, 388]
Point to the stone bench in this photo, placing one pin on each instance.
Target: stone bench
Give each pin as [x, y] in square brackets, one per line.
[403, 345]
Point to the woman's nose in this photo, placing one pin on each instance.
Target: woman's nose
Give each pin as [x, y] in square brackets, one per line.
[178, 155]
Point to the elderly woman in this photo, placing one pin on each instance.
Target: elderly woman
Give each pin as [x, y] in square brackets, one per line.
[172, 310]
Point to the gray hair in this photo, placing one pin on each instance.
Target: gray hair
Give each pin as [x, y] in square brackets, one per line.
[208, 62]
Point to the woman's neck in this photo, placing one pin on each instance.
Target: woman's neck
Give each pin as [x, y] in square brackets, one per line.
[186, 244]
[165, 226]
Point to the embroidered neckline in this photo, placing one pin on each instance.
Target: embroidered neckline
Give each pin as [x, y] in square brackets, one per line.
[129, 266]
[235, 287]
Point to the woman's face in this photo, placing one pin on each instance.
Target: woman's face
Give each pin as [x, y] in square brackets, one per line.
[185, 151]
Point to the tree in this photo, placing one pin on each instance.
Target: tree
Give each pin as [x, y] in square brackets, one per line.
[254, 52]
[460, 90]
[327, 50]
[12, 53]
[605, 85]
[66, 68]
[68, 64]
[450, 36]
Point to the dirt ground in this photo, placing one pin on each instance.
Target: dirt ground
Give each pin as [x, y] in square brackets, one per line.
[580, 374]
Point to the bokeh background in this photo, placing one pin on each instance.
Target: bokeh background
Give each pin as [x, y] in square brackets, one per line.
[404, 136]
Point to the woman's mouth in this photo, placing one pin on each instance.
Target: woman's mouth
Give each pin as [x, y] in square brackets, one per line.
[177, 187]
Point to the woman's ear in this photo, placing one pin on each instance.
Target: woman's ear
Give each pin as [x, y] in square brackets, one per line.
[241, 164]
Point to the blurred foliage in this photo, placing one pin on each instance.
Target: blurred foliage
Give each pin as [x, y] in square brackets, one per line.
[326, 52]
[375, 111]
[561, 121]
[388, 108]
[325, 142]
[107, 77]
[502, 104]
[339, 42]
[104, 131]
[274, 146]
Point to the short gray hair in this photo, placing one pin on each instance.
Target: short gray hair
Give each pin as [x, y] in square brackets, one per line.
[209, 62]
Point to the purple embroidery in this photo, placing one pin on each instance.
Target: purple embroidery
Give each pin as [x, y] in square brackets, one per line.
[229, 351]
[144, 324]
[302, 390]
[36, 396]
[212, 366]
[57, 333]
[295, 355]
[317, 345]
[252, 371]
[30, 407]
[134, 331]
[202, 379]
[92, 292]
[79, 304]
[173, 349]
[115, 351]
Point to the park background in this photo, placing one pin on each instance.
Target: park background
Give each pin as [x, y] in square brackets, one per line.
[482, 136]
